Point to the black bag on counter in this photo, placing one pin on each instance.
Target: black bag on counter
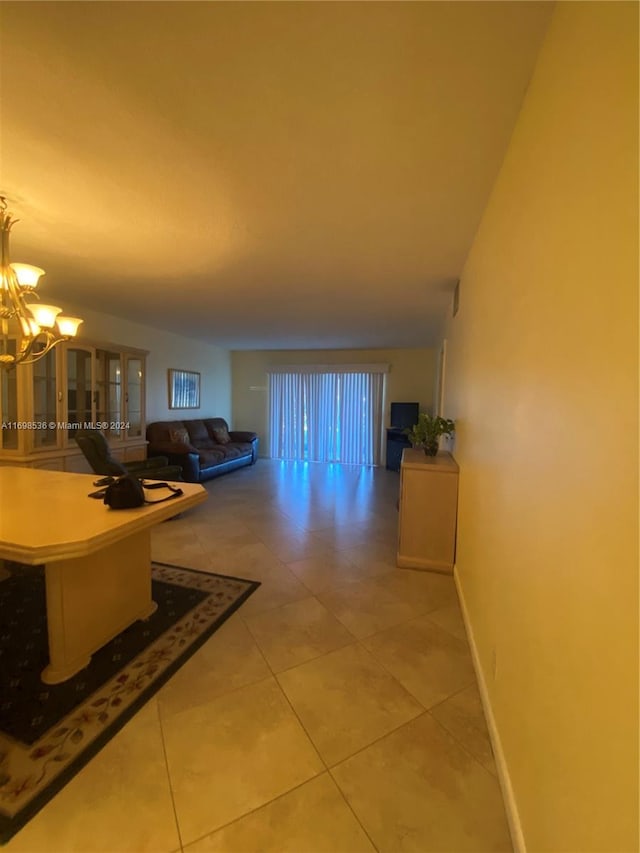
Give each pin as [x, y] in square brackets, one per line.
[124, 493]
[128, 491]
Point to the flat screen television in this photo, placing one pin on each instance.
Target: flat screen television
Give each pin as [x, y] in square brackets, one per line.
[404, 415]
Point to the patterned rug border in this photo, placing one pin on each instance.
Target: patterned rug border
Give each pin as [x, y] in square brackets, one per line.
[10, 825]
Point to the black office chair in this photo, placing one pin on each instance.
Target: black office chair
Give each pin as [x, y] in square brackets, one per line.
[98, 454]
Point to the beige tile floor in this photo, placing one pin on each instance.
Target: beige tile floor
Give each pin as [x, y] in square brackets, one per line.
[336, 711]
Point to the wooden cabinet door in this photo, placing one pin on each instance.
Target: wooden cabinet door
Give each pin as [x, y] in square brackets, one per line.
[428, 512]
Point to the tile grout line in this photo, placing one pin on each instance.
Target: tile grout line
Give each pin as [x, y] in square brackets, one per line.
[166, 762]
[286, 698]
[377, 740]
[351, 809]
[437, 705]
[326, 766]
[391, 675]
[462, 746]
[474, 683]
[258, 808]
[300, 663]
[355, 641]
[274, 677]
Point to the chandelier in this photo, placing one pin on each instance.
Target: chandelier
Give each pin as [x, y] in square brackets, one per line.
[40, 327]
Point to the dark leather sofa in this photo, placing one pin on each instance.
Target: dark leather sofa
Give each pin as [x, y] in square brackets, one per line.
[204, 448]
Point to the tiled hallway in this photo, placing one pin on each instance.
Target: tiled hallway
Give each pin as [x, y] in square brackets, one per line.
[336, 711]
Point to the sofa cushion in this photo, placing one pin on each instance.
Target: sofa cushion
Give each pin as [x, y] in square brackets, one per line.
[179, 435]
[159, 430]
[199, 435]
[210, 457]
[230, 451]
[221, 435]
[245, 447]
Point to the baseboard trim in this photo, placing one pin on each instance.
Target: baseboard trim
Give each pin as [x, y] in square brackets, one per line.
[511, 808]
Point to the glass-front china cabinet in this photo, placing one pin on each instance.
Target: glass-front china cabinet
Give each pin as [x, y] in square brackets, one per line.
[77, 385]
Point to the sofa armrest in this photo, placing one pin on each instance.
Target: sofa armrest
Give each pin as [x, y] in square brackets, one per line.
[247, 437]
[190, 464]
[242, 435]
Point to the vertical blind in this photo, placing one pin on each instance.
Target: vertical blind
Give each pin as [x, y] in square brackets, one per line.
[326, 416]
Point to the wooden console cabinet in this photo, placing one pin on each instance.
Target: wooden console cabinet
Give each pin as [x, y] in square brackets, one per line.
[428, 511]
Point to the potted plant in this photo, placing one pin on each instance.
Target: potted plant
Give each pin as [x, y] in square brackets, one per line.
[426, 433]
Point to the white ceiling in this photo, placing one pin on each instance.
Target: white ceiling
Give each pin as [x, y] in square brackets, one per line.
[259, 175]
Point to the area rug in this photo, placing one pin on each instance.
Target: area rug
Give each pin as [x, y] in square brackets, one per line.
[49, 732]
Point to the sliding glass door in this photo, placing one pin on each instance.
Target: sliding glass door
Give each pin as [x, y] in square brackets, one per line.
[326, 416]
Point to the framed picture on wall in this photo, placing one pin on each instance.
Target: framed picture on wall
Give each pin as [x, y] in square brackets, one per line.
[184, 389]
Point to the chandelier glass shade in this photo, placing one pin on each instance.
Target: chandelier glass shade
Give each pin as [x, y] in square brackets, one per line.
[38, 327]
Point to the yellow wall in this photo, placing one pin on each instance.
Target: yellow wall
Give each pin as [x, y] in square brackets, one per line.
[411, 378]
[542, 376]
